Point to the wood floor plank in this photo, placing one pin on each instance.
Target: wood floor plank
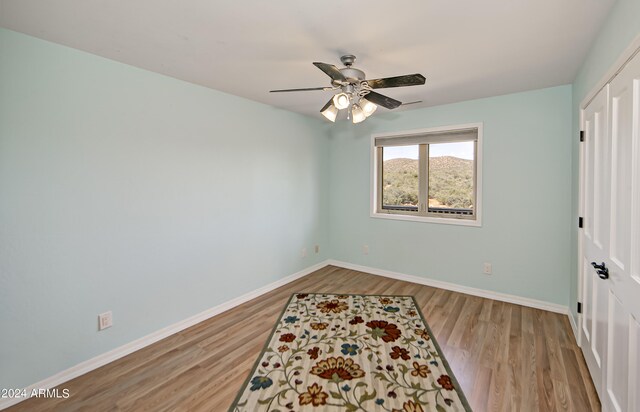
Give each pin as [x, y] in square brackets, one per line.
[529, 375]
[527, 320]
[561, 395]
[478, 397]
[577, 390]
[506, 357]
[497, 388]
[453, 309]
[473, 324]
[458, 359]
[485, 313]
[465, 322]
[543, 374]
[586, 379]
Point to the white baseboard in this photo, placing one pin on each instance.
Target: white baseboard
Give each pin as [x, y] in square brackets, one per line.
[574, 328]
[503, 297]
[117, 353]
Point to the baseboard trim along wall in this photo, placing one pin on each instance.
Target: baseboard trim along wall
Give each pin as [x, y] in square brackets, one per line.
[574, 327]
[503, 297]
[117, 353]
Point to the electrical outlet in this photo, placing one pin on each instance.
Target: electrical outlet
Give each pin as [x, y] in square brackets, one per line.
[105, 320]
[365, 249]
[317, 248]
[487, 269]
[304, 252]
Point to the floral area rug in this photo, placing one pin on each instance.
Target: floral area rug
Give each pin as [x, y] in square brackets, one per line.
[351, 353]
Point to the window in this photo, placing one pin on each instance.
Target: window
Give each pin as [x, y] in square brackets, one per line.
[430, 175]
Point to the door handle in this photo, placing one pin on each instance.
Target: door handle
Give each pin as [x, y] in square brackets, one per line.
[601, 270]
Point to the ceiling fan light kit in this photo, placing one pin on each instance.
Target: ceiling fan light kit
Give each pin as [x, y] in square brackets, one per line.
[356, 94]
[330, 111]
[357, 114]
[367, 106]
[341, 101]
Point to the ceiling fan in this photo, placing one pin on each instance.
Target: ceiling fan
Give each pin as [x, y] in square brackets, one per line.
[356, 94]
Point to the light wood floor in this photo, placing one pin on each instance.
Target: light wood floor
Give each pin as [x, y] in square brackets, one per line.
[506, 357]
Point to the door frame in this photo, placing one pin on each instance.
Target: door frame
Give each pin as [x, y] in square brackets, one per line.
[576, 323]
[628, 53]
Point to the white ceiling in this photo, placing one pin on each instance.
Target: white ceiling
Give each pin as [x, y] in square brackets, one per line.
[467, 49]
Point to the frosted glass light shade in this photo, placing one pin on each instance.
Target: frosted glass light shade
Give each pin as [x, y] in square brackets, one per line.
[357, 113]
[341, 101]
[330, 113]
[367, 107]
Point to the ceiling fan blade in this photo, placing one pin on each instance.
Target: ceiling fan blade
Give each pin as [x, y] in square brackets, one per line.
[408, 103]
[301, 90]
[331, 70]
[382, 100]
[398, 81]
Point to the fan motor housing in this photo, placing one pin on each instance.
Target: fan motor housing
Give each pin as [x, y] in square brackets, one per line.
[352, 74]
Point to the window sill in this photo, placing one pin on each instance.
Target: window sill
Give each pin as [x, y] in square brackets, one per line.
[428, 219]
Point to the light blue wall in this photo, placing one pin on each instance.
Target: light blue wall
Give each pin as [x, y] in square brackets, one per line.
[618, 31]
[125, 190]
[526, 192]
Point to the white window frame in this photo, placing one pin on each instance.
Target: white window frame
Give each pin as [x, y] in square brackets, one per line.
[375, 176]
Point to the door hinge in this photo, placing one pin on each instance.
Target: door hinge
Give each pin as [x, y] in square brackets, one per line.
[580, 222]
[582, 135]
[579, 307]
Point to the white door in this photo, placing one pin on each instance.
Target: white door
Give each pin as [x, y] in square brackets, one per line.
[611, 238]
[595, 233]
